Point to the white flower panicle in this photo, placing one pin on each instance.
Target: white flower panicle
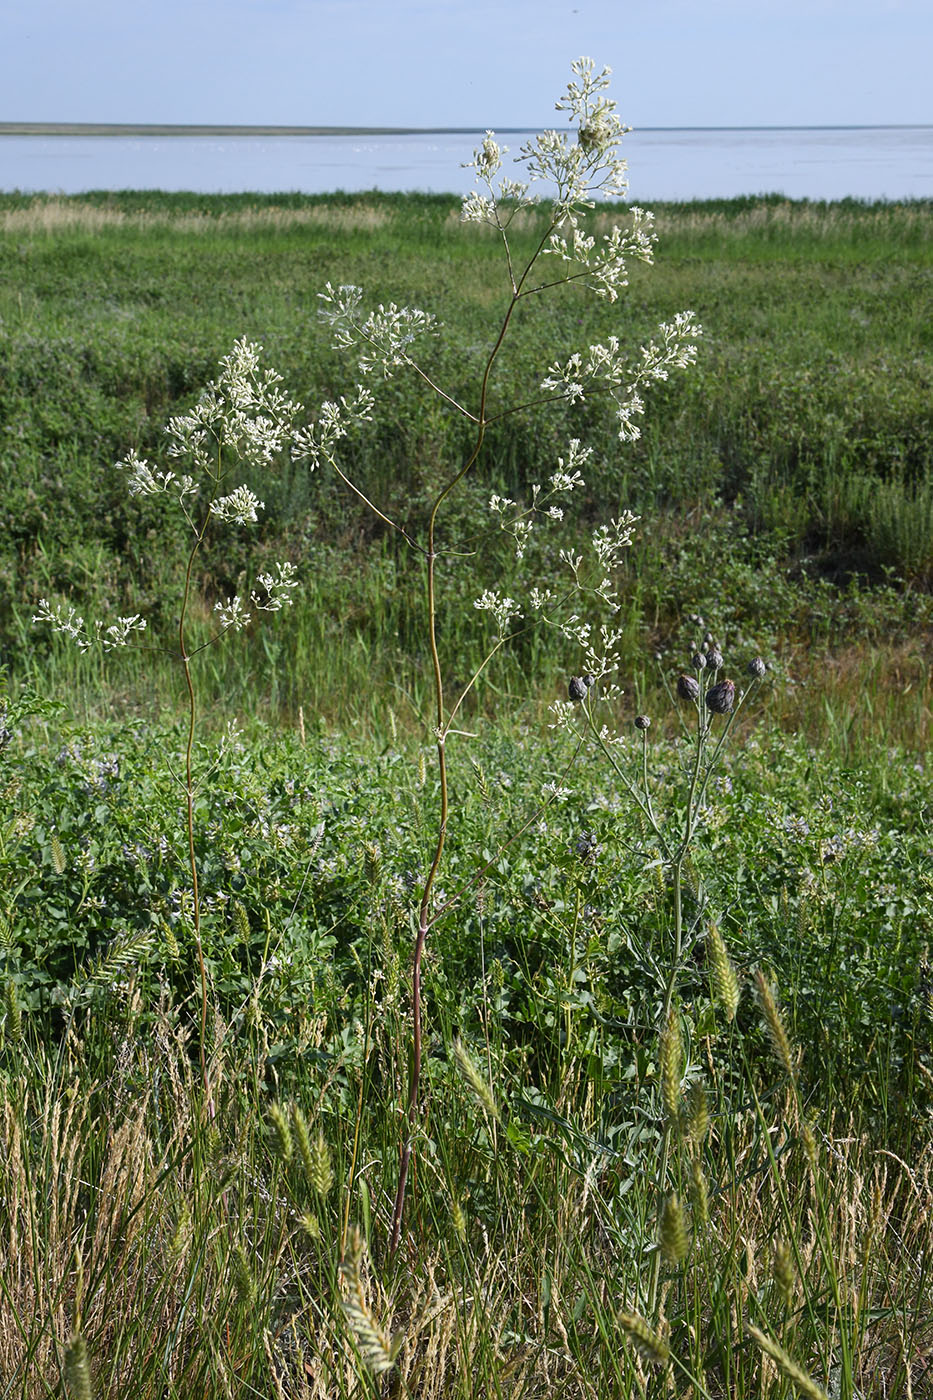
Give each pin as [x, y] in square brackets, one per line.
[243, 415]
[317, 442]
[566, 479]
[603, 265]
[241, 507]
[69, 623]
[607, 368]
[581, 165]
[610, 541]
[590, 164]
[481, 208]
[243, 412]
[383, 337]
[232, 614]
[278, 587]
[145, 480]
[503, 610]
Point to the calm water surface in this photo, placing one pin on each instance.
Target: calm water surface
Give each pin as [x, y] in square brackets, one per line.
[693, 163]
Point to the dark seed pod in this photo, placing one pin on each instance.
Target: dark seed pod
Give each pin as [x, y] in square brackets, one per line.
[589, 679]
[757, 668]
[698, 661]
[577, 688]
[721, 697]
[688, 688]
[714, 659]
[642, 722]
[586, 847]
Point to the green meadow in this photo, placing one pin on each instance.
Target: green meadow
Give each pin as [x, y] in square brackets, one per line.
[673, 1134]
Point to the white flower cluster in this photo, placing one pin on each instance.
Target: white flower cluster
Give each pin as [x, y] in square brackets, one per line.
[503, 609]
[279, 588]
[145, 480]
[383, 336]
[232, 614]
[239, 508]
[69, 623]
[608, 369]
[609, 541]
[243, 413]
[334, 420]
[480, 208]
[603, 265]
[591, 163]
[580, 165]
[566, 479]
[278, 592]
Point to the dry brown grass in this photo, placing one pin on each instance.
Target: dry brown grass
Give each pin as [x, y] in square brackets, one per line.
[52, 216]
[126, 1222]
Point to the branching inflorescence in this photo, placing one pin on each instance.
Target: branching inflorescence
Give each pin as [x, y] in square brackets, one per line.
[572, 168]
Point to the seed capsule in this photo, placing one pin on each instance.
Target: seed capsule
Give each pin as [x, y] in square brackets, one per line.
[642, 722]
[698, 661]
[720, 699]
[577, 688]
[714, 659]
[688, 688]
[757, 668]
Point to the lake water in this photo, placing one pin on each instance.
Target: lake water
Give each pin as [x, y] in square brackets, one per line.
[692, 163]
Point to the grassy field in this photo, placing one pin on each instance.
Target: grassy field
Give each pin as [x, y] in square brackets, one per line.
[785, 486]
[670, 1124]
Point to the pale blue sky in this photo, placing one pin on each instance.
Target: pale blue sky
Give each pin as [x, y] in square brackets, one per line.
[474, 63]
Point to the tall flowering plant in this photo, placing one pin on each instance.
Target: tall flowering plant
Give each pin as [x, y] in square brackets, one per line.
[561, 174]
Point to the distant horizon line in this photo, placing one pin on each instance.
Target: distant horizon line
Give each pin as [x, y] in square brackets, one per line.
[232, 129]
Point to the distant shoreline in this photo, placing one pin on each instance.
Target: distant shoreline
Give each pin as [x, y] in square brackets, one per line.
[169, 129]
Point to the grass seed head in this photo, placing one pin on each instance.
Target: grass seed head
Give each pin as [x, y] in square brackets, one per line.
[671, 1068]
[475, 1079]
[673, 1234]
[697, 1112]
[376, 1347]
[699, 1195]
[649, 1344]
[804, 1385]
[784, 1274]
[722, 973]
[59, 861]
[241, 922]
[244, 1283]
[78, 1369]
[12, 1014]
[780, 1041]
[281, 1133]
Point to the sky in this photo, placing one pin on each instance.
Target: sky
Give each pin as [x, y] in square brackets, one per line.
[465, 63]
